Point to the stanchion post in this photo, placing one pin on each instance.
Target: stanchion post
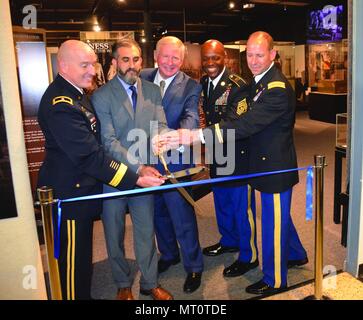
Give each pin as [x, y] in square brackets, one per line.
[45, 196]
[319, 225]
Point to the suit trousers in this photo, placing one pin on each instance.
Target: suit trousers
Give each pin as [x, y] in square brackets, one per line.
[175, 222]
[142, 215]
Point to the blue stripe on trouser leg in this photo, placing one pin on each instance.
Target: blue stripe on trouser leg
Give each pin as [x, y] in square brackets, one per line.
[246, 221]
[275, 227]
[224, 203]
[296, 249]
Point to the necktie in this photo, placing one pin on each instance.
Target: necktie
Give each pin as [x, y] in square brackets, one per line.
[210, 90]
[162, 87]
[133, 97]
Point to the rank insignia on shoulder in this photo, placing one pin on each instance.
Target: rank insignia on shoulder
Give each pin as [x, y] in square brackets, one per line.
[242, 107]
[60, 99]
[237, 80]
[276, 84]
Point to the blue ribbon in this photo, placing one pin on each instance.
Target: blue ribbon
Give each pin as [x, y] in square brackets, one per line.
[309, 199]
[309, 193]
[57, 233]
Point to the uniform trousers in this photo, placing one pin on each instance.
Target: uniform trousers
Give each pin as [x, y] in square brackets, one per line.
[236, 215]
[280, 241]
[75, 256]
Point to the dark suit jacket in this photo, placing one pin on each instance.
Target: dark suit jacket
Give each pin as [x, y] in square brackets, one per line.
[75, 162]
[222, 105]
[180, 103]
[269, 123]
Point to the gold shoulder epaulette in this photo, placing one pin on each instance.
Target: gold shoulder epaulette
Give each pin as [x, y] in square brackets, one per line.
[62, 99]
[237, 79]
[276, 84]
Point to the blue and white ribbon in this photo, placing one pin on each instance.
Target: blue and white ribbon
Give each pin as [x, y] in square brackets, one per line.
[309, 194]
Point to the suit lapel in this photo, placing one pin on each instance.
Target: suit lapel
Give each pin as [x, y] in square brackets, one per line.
[172, 90]
[140, 98]
[122, 97]
[261, 87]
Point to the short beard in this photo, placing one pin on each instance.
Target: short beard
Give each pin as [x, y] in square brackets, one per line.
[127, 78]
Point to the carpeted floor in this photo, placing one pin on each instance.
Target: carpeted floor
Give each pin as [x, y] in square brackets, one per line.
[311, 137]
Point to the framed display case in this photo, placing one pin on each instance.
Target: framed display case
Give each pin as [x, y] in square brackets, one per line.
[328, 67]
[341, 130]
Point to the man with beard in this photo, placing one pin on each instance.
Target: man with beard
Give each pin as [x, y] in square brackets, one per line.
[128, 106]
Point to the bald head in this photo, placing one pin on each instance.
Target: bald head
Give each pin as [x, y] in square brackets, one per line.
[260, 37]
[213, 45]
[259, 52]
[76, 63]
[213, 55]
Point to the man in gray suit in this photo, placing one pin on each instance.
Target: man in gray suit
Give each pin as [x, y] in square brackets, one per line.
[127, 108]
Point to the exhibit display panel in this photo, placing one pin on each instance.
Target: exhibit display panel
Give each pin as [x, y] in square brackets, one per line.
[341, 130]
[328, 67]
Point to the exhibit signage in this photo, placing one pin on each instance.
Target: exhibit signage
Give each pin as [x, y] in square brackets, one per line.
[7, 197]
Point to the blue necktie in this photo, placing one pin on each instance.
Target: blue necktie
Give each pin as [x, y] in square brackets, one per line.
[133, 97]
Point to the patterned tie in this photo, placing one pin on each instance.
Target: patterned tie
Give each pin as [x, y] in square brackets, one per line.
[162, 87]
[133, 97]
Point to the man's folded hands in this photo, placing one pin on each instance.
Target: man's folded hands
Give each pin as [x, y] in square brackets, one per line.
[173, 139]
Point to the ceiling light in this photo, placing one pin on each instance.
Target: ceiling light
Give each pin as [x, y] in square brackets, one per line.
[248, 6]
[231, 5]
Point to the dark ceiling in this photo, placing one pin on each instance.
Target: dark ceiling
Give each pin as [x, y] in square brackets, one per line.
[190, 20]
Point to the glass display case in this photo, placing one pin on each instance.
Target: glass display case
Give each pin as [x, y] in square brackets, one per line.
[328, 67]
[341, 130]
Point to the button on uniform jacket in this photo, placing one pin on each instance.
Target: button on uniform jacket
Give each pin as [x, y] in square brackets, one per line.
[229, 96]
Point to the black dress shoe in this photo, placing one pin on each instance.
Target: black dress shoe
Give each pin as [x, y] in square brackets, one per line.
[192, 282]
[217, 249]
[297, 263]
[239, 268]
[261, 287]
[164, 265]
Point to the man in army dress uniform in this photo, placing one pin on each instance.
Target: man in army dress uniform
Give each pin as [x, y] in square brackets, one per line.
[76, 165]
[224, 96]
[269, 124]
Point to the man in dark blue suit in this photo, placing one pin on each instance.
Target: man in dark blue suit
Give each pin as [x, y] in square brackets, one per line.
[175, 220]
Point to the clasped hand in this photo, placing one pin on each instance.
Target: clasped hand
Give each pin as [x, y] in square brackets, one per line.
[149, 177]
[173, 139]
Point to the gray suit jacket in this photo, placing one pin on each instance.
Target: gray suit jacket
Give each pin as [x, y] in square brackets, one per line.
[117, 118]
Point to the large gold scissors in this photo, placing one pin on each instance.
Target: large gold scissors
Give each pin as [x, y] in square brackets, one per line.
[173, 180]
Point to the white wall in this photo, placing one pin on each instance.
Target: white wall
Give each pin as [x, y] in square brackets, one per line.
[21, 271]
[355, 220]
